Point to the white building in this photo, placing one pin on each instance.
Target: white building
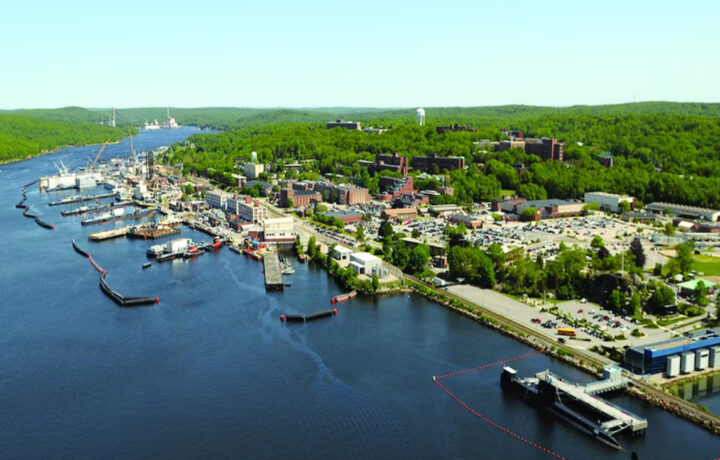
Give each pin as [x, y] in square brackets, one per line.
[608, 201]
[280, 230]
[364, 263]
[249, 212]
[341, 253]
[253, 170]
[216, 199]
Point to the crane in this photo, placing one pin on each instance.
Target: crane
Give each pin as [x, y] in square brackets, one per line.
[99, 153]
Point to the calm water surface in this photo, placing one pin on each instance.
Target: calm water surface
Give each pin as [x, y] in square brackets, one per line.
[211, 372]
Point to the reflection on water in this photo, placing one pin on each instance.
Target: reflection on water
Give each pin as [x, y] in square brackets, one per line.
[700, 387]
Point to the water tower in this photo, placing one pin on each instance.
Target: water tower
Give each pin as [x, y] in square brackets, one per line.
[420, 116]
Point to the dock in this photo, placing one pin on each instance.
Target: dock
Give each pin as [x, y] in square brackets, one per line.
[577, 403]
[152, 233]
[273, 273]
[108, 234]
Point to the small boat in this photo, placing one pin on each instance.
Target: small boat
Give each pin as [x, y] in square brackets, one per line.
[146, 265]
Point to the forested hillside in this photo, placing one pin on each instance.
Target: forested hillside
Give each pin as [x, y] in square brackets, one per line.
[659, 156]
[22, 137]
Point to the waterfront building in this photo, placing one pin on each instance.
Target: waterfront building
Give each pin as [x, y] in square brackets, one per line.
[652, 358]
[279, 230]
[341, 253]
[608, 201]
[364, 263]
[247, 212]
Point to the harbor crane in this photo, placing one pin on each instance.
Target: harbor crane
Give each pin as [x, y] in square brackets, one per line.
[99, 153]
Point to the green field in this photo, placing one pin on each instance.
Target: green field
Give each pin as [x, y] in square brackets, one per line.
[707, 264]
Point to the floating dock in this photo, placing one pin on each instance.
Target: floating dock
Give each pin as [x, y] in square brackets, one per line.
[273, 273]
[577, 404]
[153, 233]
[108, 234]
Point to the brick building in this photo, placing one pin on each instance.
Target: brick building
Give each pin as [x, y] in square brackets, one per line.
[383, 162]
[427, 164]
[396, 187]
[403, 214]
[455, 128]
[300, 198]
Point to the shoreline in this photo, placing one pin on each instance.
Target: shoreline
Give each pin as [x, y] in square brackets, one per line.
[49, 152]
[640, 390]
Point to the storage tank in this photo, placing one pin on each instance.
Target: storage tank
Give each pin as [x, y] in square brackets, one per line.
[672, 368]
[715, 357]
[687, 363]
[702, 359]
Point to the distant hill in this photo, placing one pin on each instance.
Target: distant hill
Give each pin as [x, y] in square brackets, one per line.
[25, 136]
[245, 117]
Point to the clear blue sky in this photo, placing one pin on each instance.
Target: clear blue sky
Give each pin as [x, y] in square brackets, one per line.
[364, 53]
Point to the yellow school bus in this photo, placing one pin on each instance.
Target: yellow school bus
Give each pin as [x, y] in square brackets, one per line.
[566, 331]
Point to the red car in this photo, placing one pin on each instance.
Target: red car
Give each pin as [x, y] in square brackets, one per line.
[536, 320]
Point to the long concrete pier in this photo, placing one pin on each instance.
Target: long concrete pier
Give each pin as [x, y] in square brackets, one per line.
[273, 273]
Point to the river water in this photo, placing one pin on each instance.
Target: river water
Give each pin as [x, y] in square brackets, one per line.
[211, 371]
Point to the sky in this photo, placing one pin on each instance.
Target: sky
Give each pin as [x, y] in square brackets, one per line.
[367, 53]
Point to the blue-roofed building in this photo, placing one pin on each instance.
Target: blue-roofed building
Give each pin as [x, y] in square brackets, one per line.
[652, 358]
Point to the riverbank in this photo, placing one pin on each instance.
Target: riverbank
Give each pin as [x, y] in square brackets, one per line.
[589, 364]
[49, 152]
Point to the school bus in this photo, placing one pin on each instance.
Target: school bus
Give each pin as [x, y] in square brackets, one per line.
[566, 331]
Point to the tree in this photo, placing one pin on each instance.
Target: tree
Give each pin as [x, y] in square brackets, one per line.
[360, 233]
[418, 258]
[615, 301]
[375, 283]
[386, 229]
[290, 203]
[624, 206]
[528, 213]
[416, 233]
[636, 248]
[701, 294]
[660, 297]
[597, 242]
[669, 229]
[311, 247]
[684, 256]
[636, 305]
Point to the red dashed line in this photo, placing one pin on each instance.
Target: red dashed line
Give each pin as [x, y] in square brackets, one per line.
[485, 419]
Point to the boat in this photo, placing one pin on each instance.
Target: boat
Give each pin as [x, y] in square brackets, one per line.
[146, 265]
[170, 250]
[117, 215]
[97, 208]
[80, 198]
[287, 268]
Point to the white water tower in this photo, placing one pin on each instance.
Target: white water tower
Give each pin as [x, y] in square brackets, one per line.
[420, 116]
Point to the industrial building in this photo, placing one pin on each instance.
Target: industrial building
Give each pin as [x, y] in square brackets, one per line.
[608, 201]
[364, 263]
[343, 194]
[692, 212]
[341, 253]
[279, 230]
[695, 351]
[471, 222]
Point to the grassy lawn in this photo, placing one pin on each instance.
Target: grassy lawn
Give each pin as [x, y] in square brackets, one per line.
[504, 192]
[707, 264]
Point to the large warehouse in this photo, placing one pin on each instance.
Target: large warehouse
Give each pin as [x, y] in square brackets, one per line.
[691, 351]
[608, 201]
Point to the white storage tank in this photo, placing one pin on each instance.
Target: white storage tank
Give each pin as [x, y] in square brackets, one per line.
[672, 368]
[702, 359]
[715, 357]
[687, 363]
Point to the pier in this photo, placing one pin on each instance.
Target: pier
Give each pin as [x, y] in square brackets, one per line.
[273, 273]
[577, 404]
